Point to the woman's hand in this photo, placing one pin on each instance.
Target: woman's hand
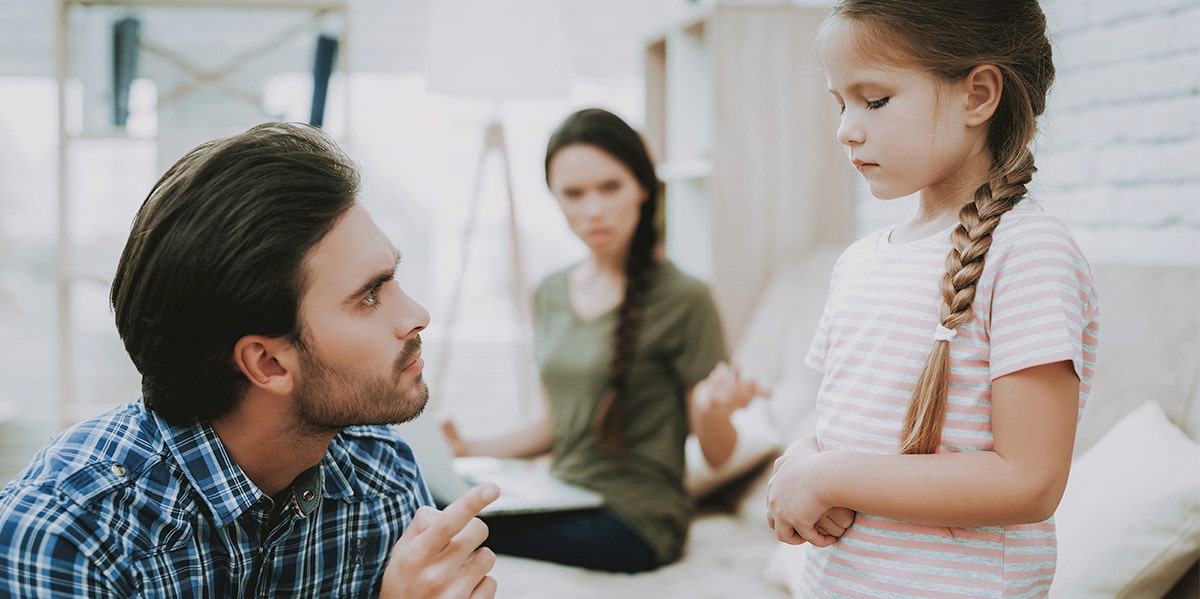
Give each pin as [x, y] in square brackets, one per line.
[456, 443]
[711, 402]
[724, 391]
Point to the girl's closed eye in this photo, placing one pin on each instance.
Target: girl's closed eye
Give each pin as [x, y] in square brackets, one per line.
[880, 103]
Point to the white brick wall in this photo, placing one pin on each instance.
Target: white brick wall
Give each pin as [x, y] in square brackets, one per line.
[1119, 149]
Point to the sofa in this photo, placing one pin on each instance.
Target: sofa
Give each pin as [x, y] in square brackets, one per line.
[1129, 523]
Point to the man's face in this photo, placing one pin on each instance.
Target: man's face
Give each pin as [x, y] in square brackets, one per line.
[361, 363]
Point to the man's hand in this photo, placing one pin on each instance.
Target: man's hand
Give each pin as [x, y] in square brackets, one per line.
[439, 557]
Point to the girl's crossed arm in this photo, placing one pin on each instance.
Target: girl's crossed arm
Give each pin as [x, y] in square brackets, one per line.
[1034, 413]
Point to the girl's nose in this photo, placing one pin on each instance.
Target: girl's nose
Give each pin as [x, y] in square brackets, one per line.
[849, 132]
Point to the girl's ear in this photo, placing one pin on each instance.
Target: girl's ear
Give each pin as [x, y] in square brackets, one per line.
[269, 363]
[983, 86]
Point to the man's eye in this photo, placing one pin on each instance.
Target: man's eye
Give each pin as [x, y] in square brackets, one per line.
[371, 299]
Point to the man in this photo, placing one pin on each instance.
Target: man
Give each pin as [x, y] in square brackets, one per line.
[259, 303]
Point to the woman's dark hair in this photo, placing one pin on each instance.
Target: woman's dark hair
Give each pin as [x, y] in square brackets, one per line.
[949, 38]
[606, 131]
[216, 252]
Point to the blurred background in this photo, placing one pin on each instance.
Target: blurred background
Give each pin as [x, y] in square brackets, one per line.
[98, 98]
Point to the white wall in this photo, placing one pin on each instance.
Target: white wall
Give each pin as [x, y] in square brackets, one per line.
[1120, 156]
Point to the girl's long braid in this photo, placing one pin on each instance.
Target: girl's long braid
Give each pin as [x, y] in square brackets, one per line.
[972, 239]
[640, 266]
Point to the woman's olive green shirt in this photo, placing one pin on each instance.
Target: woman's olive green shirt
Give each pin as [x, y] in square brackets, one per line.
[679, 343]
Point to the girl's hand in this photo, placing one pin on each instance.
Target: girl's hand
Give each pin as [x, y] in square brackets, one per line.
[794, 507]
[800, 448]
[836, 522]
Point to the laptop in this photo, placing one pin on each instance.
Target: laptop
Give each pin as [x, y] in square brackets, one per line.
[526, 487]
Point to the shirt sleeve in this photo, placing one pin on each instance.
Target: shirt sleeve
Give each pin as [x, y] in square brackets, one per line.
[42, 553]
[705, 343]
[815, 358]
[1043, 304]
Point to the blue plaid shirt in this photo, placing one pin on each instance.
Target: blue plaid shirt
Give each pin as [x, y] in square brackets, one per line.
[126, 505]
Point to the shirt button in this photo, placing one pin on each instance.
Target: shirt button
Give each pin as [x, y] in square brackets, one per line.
[307, 495]
[118, 469]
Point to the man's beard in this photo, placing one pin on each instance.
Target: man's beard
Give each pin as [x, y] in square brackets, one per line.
[328, 399]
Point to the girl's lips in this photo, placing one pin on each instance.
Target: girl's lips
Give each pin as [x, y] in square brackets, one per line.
[862, 164]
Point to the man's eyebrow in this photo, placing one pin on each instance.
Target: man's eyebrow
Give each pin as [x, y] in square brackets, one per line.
[379, 279]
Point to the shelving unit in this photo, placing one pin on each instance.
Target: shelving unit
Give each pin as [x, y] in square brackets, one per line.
[76, 69]
[744, 131]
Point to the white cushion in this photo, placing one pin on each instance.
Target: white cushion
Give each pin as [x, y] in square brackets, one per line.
[757, 441]
[1129, 522]
[785, 567]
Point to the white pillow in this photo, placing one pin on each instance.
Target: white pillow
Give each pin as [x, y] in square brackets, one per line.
[757, 441]
[1129, 521]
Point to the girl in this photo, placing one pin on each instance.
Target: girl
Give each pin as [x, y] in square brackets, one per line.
[621, 341]
[949, 459]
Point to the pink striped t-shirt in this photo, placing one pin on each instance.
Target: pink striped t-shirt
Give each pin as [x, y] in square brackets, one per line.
[1035, 304]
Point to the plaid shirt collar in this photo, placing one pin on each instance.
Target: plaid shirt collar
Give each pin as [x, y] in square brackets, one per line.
[221, 483]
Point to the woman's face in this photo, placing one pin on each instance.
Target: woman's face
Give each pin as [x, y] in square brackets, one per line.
[599, 195]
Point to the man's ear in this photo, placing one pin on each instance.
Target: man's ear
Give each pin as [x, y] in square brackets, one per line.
[983, 86]
[269, 363]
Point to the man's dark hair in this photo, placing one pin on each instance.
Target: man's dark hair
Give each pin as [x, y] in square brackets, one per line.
[216, 252]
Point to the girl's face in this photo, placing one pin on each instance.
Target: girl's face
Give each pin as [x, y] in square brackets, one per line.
[902, 127]
[599, 196]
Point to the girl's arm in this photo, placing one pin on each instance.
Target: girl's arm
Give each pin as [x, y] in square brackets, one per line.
[711, 402]
[533, 438]
[1034, 413]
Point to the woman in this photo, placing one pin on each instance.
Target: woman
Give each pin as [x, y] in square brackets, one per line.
[623, 342]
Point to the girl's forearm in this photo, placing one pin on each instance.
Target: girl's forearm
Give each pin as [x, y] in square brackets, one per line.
[1020, 481]
[968, 489]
